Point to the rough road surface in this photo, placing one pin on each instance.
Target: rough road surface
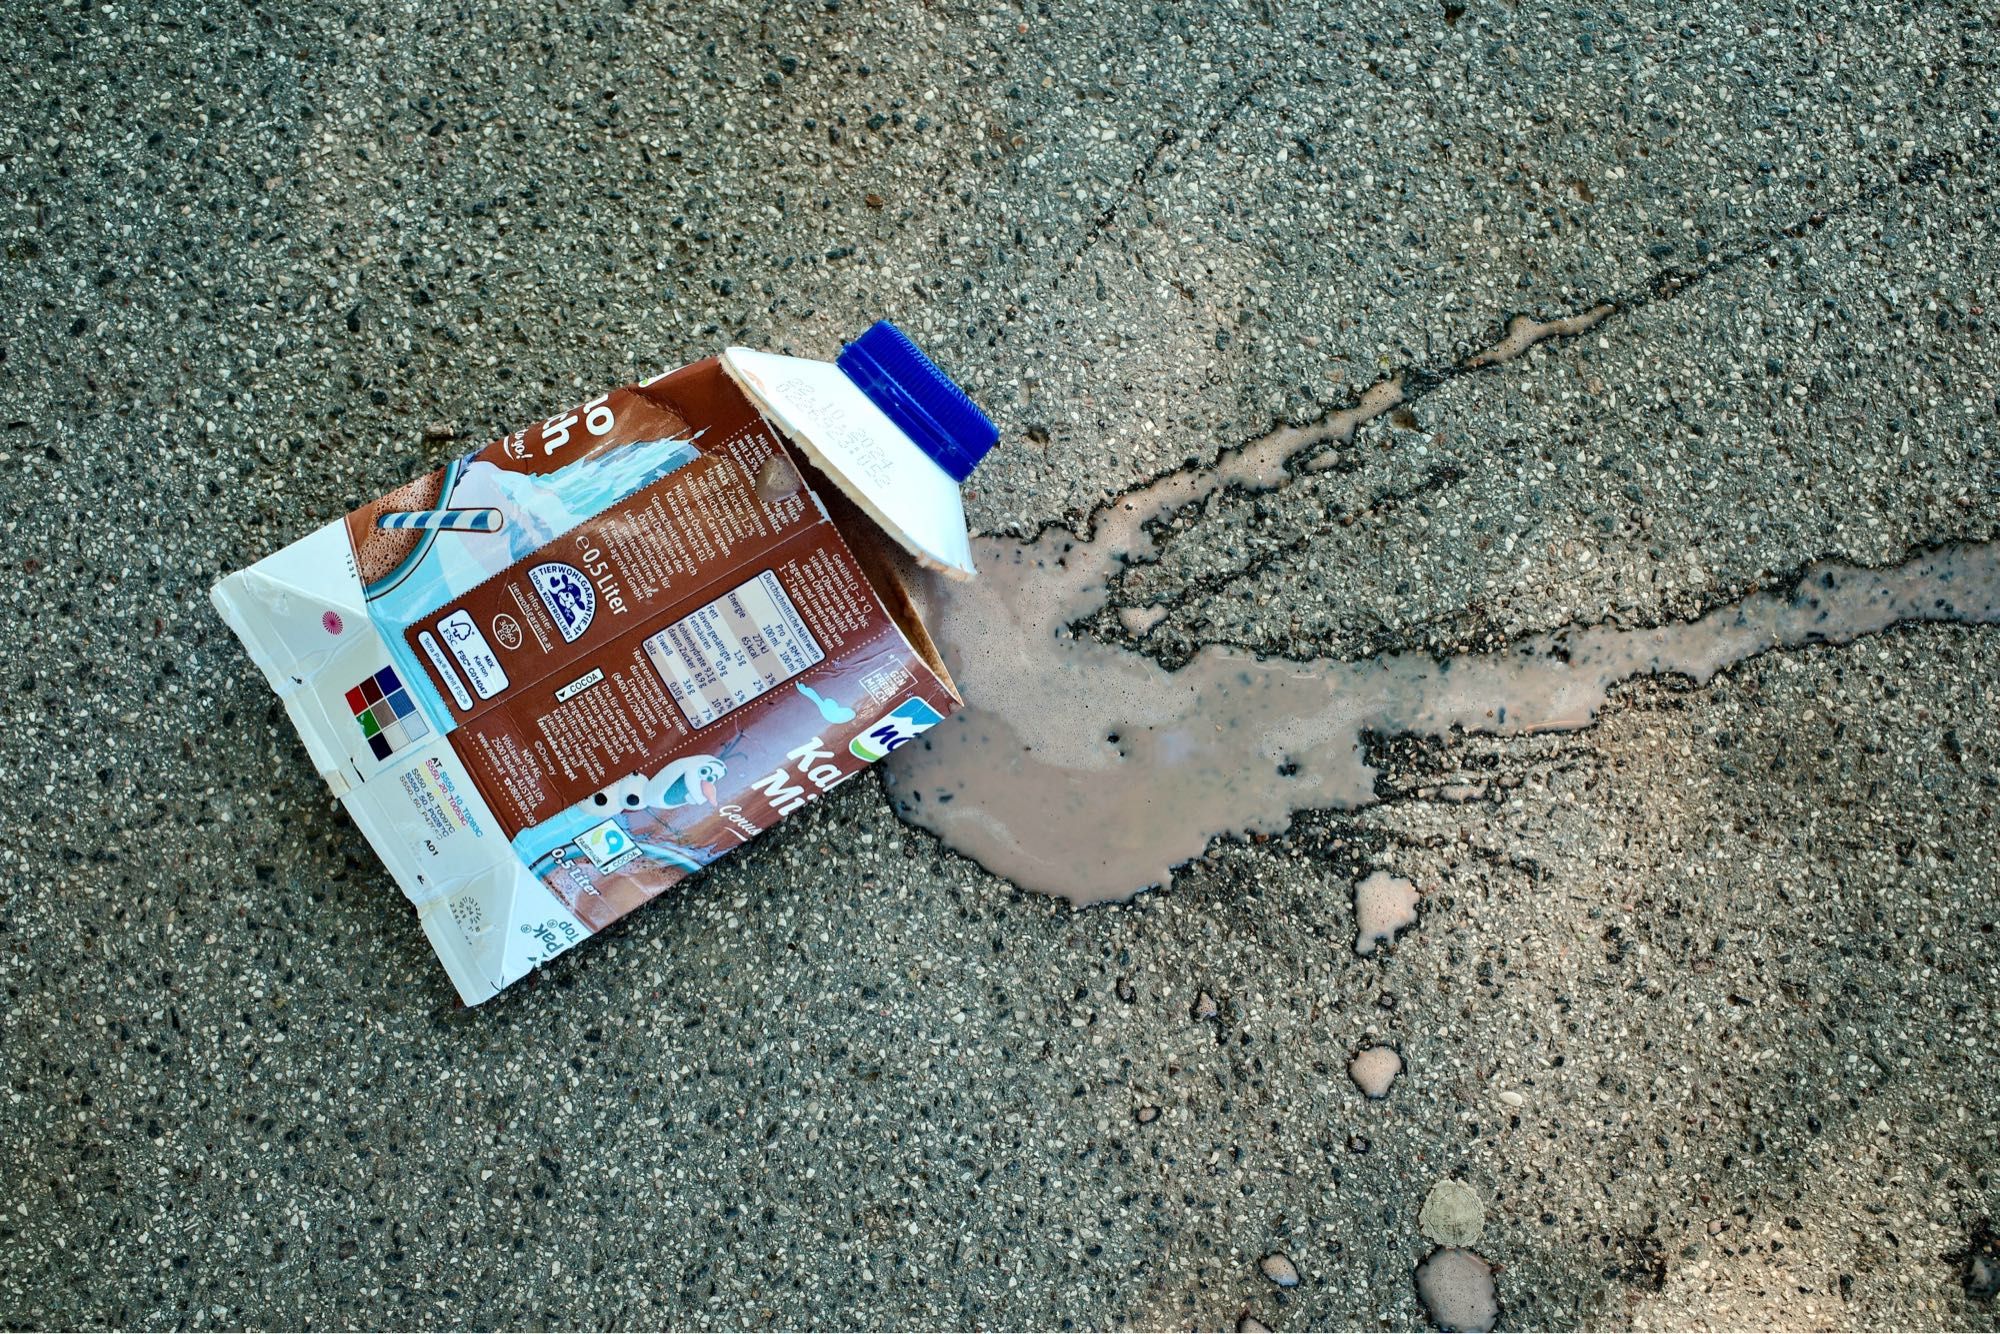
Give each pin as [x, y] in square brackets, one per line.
[1699, 1001]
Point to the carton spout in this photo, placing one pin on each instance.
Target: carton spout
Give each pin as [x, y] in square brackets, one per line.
[925, 402]
[886, 427]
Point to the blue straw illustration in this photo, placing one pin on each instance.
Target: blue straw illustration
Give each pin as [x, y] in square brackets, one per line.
[446, 521]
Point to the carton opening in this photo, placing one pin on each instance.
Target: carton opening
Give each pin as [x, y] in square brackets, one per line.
[888, 567]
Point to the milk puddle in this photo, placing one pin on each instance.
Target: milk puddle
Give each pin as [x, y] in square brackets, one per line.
[1087, 771]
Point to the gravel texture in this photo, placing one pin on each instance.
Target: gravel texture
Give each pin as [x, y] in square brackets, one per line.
[1700, 1002]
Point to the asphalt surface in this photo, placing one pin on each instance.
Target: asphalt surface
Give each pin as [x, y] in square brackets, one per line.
[1699, 1003]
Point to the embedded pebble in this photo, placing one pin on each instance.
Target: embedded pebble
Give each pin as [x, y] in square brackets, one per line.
[1512, 1099]
[1204, 1007]
[1374, 1069]
[1384, 905]
[1453, 1214]
[1250, 1324]
[1457, 1290]
[1280, 1270]
[1145, 1116]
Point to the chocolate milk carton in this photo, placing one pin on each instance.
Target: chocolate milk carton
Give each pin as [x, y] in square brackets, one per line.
[554, 678]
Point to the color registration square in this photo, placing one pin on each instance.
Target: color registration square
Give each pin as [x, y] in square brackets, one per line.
[388, 717]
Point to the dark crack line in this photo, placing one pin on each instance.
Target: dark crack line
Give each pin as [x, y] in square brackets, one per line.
[1418, 382]
[1249, 90]
[1104, 221]
[1421, 381]
[1212, 585]
[1667, 283]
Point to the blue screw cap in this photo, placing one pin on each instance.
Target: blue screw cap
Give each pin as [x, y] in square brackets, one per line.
[921, 399]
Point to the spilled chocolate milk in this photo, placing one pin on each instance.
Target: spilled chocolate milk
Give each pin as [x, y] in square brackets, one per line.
[1087, 771]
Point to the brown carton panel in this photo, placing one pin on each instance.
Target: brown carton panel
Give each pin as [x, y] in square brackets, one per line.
[697, 660]
[702, 667]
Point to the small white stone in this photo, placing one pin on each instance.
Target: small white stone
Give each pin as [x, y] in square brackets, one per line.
[1457, 1290]
[1373, 1070]
[1280, 1270]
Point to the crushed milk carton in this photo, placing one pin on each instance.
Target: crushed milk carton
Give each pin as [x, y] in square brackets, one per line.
[554, 678]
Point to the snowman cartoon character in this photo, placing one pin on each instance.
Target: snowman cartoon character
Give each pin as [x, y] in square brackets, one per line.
[688, 781]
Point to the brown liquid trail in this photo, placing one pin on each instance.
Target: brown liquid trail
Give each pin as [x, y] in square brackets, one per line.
[1523, 333]
[1087, 771]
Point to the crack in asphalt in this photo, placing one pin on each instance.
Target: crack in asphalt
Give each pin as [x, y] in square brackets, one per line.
[1108, 217]
[1190, 590]
[1318, 450]
[1417, 382]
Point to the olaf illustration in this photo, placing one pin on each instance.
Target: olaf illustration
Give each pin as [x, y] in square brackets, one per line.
[688, 781]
